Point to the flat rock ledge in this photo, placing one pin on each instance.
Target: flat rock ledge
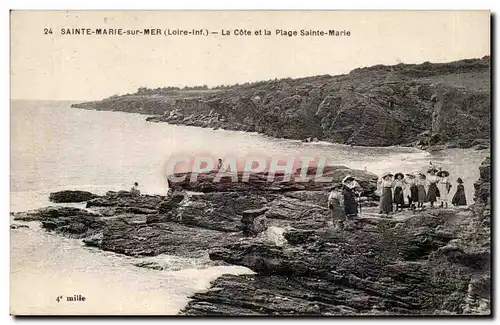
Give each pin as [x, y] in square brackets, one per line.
[433, 262]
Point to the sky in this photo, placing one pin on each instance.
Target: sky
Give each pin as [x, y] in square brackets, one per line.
[89, 67]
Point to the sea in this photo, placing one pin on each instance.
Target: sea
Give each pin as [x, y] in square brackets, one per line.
[55, 147]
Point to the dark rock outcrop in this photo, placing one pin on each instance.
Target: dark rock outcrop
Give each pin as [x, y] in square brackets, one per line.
[73, 222]
[482, 186]
[126, 199]
[259, 182]
[254, 221]
[434, 262]
[191, 224]
[424, 105]
[71, 196]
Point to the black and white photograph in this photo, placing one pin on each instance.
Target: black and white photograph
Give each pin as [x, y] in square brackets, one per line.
[250, 163]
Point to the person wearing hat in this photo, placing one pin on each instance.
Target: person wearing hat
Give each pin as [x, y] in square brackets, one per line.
[385, 184]
[336, 205]
[398, 185]
[432, 191]
[349, 192]
[421, 184]
[459, 197]
[135, 190]
[411, 183]
[444, 186]
[433, 169]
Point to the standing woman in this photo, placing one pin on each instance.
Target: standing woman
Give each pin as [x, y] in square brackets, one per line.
[350, 203]
[444, 187]
[432, 192]
[336, 205]
[411, 182]
[385, 184]
[459, 197]
[421, 183]
[399, 199]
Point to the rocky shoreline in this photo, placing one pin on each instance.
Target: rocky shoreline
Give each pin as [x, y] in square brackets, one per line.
[430, 106]
[435, 262]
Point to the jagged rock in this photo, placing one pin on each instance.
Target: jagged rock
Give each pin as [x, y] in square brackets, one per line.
[71, 196]
[435, 261]
[161, 238]
[273, 295]
[318, 197]
[70, 221]
[348, 273]
[297, 213]
[258, 182]
[480, 287]
[126, 199]
[49, 213]
[259, 225]
[253, 221]
[482, 186]
[217, 211]
[299, 237]
[171, 202]
[474, 257]
[340, 273]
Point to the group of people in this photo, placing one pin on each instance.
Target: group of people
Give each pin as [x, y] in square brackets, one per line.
[344, 198]
[418, 189]
[398, 191]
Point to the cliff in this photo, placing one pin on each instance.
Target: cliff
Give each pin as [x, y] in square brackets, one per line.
[422, 105]
[434, 262]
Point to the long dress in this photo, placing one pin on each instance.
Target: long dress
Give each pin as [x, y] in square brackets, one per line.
[335, 204]
[412, 185]
[459, 197]
[414, 193]
[386, 198]
[432, 191]
[421, 191]
[398, 192]
[350, 204]
[444, 186]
